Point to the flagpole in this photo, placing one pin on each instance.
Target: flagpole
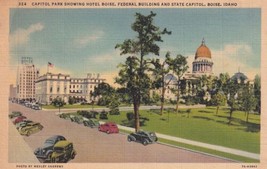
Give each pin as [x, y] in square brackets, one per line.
[47, 68]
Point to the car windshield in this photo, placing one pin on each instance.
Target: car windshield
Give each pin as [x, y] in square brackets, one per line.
[58, 149]
[49, 141]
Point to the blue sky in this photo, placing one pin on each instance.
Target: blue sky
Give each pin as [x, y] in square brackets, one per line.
[79, 41]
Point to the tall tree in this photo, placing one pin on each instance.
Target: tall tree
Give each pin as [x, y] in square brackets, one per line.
[178, 66]
[257, 92]
[133, 73]
[248, 99]
[232, 91]
[160, 71]
[219, 99]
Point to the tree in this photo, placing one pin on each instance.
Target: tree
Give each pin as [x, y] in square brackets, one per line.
[178, 66]
[249, 101]
[219, 99]
[257, 92]
[232, 90]
[160, 72]
[58, 102]
[133, 73]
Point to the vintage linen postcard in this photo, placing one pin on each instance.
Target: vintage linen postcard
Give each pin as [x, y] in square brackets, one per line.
[133, 84]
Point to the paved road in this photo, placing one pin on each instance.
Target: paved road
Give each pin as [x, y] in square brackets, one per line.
[94, 146]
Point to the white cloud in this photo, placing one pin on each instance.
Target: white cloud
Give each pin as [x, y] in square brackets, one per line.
[85, 40]
[22, 36]
[231, 58]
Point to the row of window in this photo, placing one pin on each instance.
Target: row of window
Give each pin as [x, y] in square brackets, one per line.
[77, 86]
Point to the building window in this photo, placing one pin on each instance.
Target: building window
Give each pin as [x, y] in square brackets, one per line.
[58, 89]
[51, 89]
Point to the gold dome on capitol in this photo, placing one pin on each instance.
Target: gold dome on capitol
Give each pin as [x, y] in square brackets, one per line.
[203, 51]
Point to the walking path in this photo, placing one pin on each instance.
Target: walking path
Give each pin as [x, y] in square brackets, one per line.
[204, 145]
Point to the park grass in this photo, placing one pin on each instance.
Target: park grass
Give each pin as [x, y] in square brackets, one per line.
[74, 106]
[205, 126]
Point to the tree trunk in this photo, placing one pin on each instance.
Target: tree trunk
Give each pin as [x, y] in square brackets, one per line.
[162, 100]
[217, 110]
[136, 114]
[247, 117]
[178, 93]
[230, 118]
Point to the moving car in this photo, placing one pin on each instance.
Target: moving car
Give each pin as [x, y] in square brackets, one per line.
[63, 151]
[30, 128]
[144, 137]
[91, 123]
[14, 114]
[109, 127]
[45, 152]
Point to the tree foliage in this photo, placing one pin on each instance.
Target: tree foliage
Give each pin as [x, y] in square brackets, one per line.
[133, 73]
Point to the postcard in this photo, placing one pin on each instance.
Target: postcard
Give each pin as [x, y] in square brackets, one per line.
[133, 84]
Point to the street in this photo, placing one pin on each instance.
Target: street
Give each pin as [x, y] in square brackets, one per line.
[93, 146]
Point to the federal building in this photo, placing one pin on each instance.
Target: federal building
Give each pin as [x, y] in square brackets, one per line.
[32, 86]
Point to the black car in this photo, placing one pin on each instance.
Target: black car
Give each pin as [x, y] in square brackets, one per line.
[45, 152]
[91, 123]
[144, 137]
[103, 115]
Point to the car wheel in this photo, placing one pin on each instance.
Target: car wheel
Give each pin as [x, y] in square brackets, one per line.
[29, 133]
[129, 139]
[73, 155]
[49, 157]
[145, 142]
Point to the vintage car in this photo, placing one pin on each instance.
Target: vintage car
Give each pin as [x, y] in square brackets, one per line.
[63, 151]
[14, 114]
[76, 118]
[45, 152]
[36, 107]
[64, 116]
[91, 123]
[144, 137]
[30, 128]
[23, 123]
[109, 127]
[19, 119]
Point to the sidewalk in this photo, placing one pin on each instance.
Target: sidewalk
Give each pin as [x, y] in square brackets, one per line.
[204, 145]
[18, 150]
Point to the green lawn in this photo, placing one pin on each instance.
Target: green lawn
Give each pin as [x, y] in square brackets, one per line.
[205, 126]
[75, 106]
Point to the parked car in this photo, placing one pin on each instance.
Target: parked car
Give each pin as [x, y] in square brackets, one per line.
[36, 107]
[14, 114]
[23, 123]
[30, 128]
[91, 123]
[63, 151]
[76, 118]
[45, 152]
[64, 116]
[19, 119]
[109, 127]
[144, 137]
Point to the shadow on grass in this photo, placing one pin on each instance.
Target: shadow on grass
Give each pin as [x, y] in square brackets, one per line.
[205, 111]
[204, 118]
[131, 123]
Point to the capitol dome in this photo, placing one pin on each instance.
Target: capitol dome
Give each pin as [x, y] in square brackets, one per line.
[203, 51]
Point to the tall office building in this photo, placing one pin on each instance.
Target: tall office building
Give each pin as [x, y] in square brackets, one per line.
[26, 76]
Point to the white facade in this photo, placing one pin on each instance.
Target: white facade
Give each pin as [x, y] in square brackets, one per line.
[26, 76]
[83, 87]
[50, 86]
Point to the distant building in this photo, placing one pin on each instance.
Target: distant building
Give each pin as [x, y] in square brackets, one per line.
[26, 76]
[51, 86]
[83, 87]
[12, 92]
